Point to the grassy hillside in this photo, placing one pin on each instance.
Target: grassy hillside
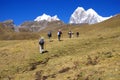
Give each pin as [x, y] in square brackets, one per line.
[95, 55]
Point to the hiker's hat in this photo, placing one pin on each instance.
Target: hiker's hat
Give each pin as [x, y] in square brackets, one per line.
[42, 37]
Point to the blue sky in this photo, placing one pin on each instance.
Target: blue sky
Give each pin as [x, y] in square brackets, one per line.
[28, 10]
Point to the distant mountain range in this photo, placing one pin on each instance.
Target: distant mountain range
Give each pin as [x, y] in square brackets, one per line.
[25, 31]
[79, 16]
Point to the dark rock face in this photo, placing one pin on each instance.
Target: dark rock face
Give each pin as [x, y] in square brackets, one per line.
[7, 25]
[35, 26]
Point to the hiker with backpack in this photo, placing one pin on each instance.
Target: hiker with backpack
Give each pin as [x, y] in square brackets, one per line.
[70, 34]
[41, 44]
[49, 35]
[59, 33]
[77, 34]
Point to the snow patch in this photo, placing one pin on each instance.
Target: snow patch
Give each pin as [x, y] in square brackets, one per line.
[47, 18]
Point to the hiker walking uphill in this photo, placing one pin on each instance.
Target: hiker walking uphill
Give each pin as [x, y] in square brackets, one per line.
[77, 34]
[49, 35]
[59, 34]
[41, 44]
[70, 34]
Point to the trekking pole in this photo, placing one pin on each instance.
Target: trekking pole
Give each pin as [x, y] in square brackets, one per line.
[45, 46]
[38, 46]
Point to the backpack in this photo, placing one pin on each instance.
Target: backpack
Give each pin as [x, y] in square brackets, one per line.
[41, 42]
[49, 34]
[70, 33]
[77, 33]
[59, 33]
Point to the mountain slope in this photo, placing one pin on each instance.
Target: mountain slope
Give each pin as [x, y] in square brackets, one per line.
[7, 26]
[37, 26]
[8, 31]
[89, 16]
[40, 23]
[92, 56]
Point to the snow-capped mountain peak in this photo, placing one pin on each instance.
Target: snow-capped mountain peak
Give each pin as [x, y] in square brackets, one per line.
[47, 18]
[80, 9]
[91, 11]
[90, 16]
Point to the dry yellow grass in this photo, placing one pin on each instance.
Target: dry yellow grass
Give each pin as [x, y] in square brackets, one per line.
[93, 56]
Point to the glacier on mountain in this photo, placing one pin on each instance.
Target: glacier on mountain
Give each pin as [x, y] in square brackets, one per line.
[47, 18]
[80, 15]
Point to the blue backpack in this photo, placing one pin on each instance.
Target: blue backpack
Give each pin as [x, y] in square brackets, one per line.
[41, 42]
[49, 34]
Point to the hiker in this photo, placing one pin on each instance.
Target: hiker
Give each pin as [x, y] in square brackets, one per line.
[70, 34]
[41, 44]
[77, 34]
[49, 35]
[59, 35]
